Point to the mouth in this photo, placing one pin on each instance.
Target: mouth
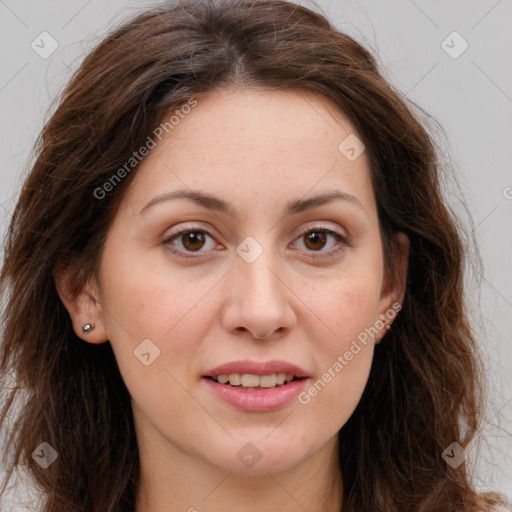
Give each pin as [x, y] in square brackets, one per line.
[254, 386]
[252, 382]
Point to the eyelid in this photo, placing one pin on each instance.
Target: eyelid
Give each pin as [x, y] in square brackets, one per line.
[323, 226]
[183, 228]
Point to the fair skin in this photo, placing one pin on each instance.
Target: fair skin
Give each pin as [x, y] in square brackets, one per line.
[256, 150]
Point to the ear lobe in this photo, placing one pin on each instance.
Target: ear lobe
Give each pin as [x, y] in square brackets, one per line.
[393, 291]
[82, 307]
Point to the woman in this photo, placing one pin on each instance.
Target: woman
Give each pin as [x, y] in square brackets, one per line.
[232, 281]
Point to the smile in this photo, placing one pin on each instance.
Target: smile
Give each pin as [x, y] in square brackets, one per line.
[250, 382]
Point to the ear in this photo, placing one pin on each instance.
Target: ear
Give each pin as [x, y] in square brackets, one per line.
[84, 307]
[393, 290]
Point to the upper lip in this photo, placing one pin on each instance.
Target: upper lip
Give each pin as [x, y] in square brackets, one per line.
[256, 368]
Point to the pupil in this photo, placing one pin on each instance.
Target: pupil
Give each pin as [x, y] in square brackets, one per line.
[192, 238]
[316, 237]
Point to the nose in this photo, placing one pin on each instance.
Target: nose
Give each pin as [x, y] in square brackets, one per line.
[259, 299]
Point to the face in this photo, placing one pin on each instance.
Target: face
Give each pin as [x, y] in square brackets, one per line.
[258, 279]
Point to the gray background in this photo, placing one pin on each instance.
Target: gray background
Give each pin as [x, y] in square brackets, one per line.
[471, 96]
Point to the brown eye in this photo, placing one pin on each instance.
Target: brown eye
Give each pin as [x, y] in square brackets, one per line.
[193, 240]
[189, 243]
[315, 240]
[322, 243]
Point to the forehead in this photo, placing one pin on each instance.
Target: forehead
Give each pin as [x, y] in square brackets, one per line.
[259, 144]
[264, 118]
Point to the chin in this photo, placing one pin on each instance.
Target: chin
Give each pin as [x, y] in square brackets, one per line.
[263, 454]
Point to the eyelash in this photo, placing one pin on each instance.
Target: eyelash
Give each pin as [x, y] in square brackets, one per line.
[343, 241]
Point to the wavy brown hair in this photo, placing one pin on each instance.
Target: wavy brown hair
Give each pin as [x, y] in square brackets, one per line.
[424, 389]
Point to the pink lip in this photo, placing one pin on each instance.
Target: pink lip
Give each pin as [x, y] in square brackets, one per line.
[258, 400]
[256, 368]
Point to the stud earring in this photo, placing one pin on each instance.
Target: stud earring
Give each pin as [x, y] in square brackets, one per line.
[87, 328]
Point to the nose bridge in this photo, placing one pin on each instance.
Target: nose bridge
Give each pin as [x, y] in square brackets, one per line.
[259, 300]
[259, 283]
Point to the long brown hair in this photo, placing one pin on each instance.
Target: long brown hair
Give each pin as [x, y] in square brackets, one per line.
[424, 390]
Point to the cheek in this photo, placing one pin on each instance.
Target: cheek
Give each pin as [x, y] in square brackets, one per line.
[344, 350]
[154, 301]
[334, 395]
[156, 337]
[351, 310]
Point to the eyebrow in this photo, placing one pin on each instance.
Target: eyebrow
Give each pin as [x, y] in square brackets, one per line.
[219, 205]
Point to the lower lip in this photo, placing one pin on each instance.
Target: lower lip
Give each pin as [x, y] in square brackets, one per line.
[259, 400]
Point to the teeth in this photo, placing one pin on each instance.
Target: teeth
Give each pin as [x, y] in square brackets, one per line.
[268, 381]
[247, 380]
[250, 381]
[280, 378]
[235, 379]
